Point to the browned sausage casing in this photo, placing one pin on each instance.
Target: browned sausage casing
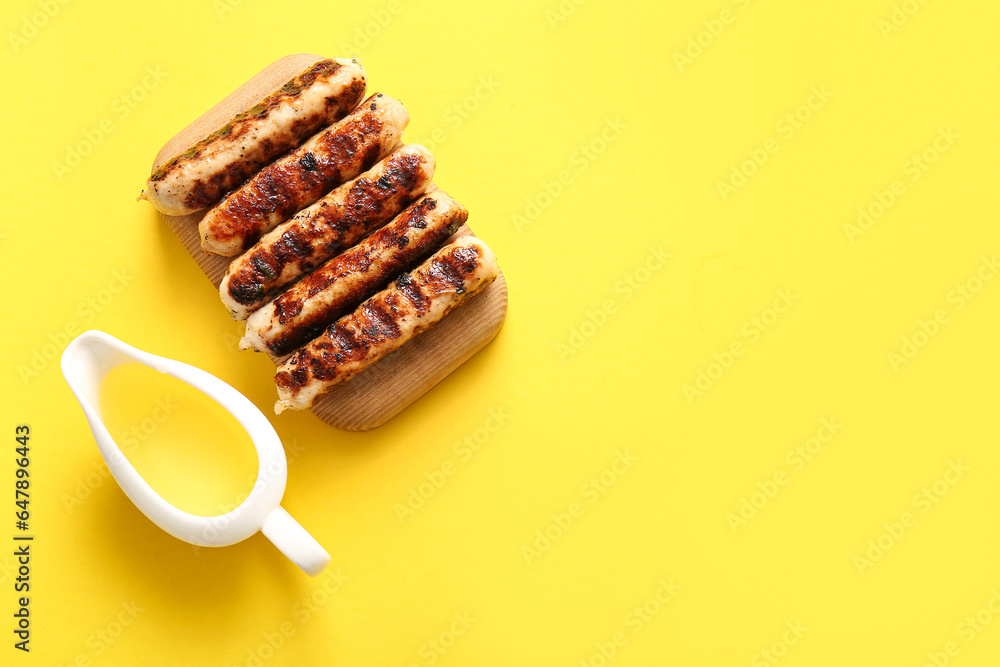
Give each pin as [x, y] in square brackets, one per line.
[321, 231]
[198, 178]
[380, 325]
[337, 287]
[327, 159]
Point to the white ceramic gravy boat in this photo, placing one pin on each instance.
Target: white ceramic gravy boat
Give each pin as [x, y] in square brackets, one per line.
[85, 362]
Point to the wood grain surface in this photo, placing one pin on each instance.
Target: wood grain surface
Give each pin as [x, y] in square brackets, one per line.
[386, 388]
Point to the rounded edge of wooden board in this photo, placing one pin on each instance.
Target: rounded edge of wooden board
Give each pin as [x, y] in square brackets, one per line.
[389, 386]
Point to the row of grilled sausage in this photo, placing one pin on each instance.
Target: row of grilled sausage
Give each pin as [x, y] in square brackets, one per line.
[311, 193]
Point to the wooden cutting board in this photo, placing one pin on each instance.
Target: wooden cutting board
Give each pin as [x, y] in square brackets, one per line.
[383, 390]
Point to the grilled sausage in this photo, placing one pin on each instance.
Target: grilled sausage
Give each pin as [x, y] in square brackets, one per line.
[199, 177]
[337, 287]
[327, 159]
[380, 325]
[321, 231]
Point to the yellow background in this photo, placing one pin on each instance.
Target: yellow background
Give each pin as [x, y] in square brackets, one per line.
[586, 367]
